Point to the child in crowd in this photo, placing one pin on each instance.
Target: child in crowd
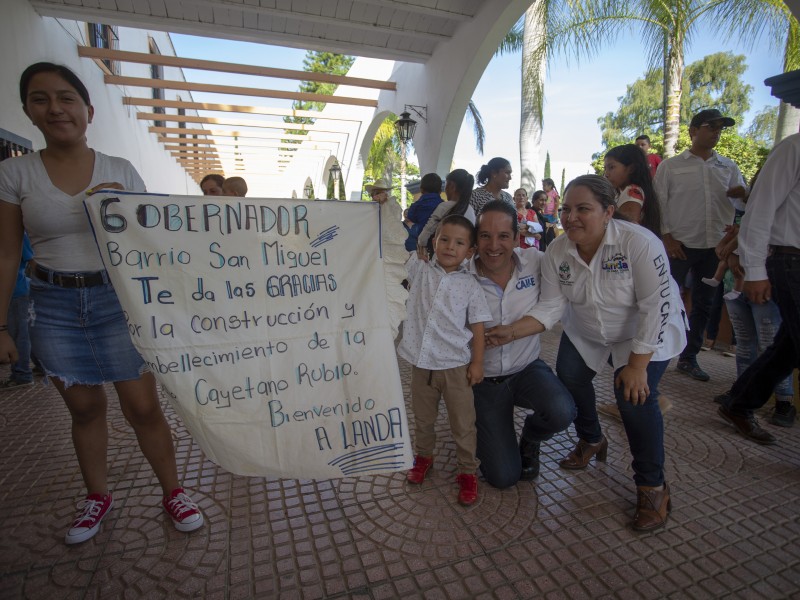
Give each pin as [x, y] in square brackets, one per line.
[627, 169]
[551, 206]
[422, 208]
[446, 309]
[21, 373]
[234, 186]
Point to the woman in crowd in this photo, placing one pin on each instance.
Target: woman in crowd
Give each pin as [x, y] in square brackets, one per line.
[494, 178]
[212, 184]
[527, 239]
[610, 280]
[458, 189]
[627, 169]
[514, 375]
[538, 201]
[78, 331]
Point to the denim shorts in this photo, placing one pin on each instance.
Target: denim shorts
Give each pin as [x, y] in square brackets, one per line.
[80, 335]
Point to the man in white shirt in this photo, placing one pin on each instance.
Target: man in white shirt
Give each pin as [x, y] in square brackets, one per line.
[697, 190]
[769, 252]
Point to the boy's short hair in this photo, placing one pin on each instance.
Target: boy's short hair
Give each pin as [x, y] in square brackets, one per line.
[461, 221]
[646, 138]
[431, 184]
[237, 185]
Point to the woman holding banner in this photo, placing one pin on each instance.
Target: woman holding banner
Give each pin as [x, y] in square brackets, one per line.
[78, 330]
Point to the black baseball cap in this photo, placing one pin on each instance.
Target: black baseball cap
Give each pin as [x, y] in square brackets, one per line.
[708, 115]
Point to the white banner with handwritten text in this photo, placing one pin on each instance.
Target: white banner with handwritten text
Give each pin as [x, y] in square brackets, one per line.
[265, 323]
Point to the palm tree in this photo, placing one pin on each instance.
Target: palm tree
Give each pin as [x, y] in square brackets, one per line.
[527, 35]
[666, 28]
[775, 17]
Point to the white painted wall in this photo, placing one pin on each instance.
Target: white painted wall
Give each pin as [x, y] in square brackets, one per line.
[26, 38]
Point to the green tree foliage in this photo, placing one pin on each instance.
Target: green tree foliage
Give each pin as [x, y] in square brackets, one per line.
[547, 166]
[563, 181]
[762, 129]
[713, 81]
[319, 62]
[746, 152]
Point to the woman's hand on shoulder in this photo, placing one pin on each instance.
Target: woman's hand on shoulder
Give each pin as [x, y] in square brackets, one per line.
[110, 185]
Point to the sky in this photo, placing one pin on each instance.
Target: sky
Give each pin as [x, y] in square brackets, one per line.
[576, 95]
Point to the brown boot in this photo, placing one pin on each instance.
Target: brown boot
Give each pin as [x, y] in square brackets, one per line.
[583, 453]
[652, 508]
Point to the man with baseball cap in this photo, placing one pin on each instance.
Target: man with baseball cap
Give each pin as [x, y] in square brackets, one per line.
[698, 191]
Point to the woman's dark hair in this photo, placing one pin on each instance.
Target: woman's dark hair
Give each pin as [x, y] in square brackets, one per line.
[630, 155]
[538, 193]
[551, 183]
[218, 179]
[493, 166]
[601, 188]
[464, 183]
[461, 221]
[500, 206]
[48, 67]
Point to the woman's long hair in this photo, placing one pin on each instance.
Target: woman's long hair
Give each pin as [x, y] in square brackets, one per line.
[493, 166]
[631, 155]
[464, 183]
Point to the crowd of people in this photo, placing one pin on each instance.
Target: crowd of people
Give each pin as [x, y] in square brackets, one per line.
[633, 239]
[486, 274]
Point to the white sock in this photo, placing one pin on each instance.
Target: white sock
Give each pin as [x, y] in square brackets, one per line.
[710, 281]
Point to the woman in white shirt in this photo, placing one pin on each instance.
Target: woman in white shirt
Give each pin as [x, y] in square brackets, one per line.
[78, 329]
[608, 281]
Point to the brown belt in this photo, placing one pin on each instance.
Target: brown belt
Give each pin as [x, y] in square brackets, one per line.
[69, 280]
[785, 250]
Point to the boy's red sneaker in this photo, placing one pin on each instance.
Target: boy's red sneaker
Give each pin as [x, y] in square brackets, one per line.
[468, 489]
[422, 464]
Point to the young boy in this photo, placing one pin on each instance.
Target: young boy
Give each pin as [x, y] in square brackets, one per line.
[234, 186]
[446, 309]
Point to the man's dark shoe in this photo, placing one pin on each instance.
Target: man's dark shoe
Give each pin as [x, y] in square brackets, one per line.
[724, 398]
[529, 452]
[747, 426]
[693, 370]
[784, 414]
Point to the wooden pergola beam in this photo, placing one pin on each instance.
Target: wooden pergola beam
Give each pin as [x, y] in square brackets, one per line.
[235, 90]
[227, 67]
[222, 133]
[251, 110]
[236, 122]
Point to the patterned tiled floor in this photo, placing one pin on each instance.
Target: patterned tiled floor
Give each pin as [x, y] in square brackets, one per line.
[734, 531]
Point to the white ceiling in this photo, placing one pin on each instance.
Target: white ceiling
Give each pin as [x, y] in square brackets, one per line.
[390, 29]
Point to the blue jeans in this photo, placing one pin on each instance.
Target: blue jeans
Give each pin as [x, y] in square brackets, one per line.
[755, 326]
[700, 262]
[643, 423]
[754, 387]
[535, 388]
[80, 335]
[18, 330]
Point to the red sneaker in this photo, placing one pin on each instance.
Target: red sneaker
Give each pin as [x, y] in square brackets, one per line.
[87, 524]
[468, 489]
[422, 464]
[185, 514]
